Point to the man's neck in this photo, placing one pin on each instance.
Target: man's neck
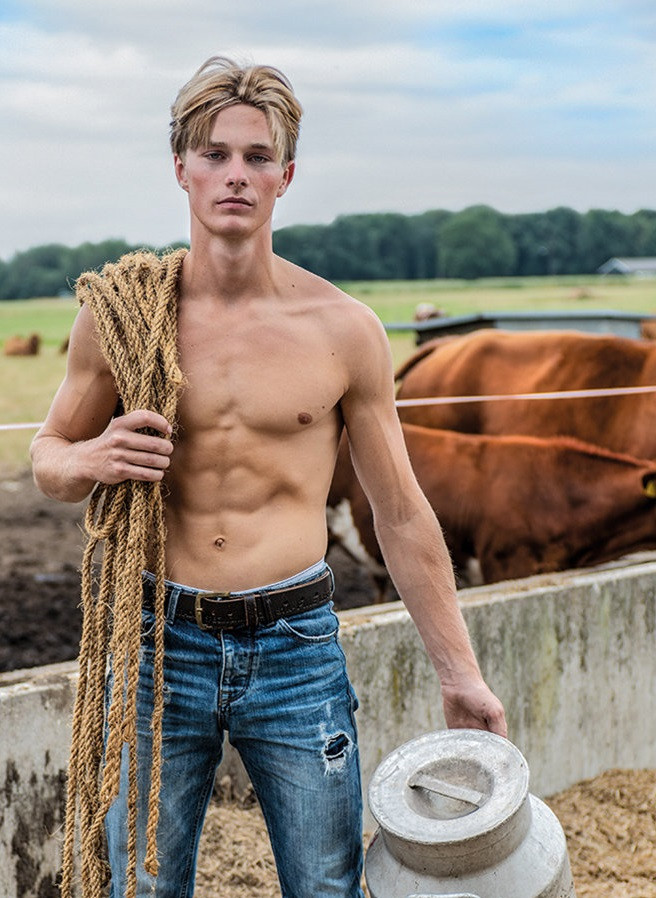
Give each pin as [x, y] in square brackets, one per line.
[231, 270]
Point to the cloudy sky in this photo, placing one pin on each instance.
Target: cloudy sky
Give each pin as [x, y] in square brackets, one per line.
[410, 105]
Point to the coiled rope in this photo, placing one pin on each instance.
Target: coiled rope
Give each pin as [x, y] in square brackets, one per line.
[134, 303]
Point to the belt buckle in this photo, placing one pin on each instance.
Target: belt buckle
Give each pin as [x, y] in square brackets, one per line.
[198, 608]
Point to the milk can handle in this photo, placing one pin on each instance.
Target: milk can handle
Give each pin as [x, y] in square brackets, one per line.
[420, 780]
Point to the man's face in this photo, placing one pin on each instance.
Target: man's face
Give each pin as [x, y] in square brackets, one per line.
[234, 181]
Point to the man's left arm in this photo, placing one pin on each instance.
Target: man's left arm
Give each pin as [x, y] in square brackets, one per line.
[409, 534]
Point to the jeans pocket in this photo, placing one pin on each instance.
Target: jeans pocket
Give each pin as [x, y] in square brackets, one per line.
[316, 626]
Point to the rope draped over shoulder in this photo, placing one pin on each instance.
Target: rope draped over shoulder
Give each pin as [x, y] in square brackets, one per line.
[134, 303]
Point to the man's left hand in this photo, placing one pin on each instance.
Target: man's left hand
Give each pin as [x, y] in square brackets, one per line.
[473, 706]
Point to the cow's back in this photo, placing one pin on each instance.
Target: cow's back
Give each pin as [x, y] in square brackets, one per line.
[491, 362]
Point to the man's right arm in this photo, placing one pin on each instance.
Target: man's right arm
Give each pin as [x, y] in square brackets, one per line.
[81, 443]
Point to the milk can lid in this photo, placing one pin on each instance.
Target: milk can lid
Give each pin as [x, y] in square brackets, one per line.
[448, 787]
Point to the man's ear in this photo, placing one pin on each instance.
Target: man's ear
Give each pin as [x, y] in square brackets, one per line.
[180, 171]
[287, 176]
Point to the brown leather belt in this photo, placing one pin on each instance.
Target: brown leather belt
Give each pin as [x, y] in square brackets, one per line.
[224, 611]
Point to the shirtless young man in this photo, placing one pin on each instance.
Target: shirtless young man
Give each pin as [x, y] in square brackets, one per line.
[276, 362]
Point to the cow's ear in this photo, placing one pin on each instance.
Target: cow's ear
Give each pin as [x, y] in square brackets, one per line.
[649, 485]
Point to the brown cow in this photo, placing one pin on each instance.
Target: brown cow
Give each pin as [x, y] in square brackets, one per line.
[648, 329]
[22, 345]
[427, 311]
[500, 362]
[518, 505]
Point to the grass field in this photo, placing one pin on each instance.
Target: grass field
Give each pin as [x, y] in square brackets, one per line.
[30, 383]
[395, 300]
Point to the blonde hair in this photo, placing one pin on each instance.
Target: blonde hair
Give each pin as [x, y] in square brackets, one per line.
[219, 83]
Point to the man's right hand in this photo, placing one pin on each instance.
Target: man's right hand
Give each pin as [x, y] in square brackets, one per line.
[124, 452]
[67, 467]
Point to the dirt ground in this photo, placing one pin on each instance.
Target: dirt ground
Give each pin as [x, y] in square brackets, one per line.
[609, 822]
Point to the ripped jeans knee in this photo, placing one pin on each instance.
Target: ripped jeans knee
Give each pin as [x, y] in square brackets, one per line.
[336, 750]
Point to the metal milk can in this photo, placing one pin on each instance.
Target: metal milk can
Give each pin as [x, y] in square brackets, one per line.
[455, 818]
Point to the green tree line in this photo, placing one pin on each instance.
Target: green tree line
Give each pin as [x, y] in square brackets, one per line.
[476, 242]
[52, 269]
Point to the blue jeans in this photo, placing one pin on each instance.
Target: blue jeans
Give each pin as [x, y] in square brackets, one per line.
[283, 694]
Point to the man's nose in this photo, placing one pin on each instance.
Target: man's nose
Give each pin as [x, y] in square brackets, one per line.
[236, 175]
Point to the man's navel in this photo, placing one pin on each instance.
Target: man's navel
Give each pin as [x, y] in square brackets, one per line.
[219, 542]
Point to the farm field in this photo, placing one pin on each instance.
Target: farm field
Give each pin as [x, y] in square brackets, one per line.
[31, 382]
[395, 300]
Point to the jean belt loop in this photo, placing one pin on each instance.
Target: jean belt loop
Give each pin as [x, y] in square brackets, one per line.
[250, 606]
[265, 604]
[332, 580]
[172, 604]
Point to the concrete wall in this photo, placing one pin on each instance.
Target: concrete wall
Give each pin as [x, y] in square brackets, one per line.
[571, 655]
[35, 711]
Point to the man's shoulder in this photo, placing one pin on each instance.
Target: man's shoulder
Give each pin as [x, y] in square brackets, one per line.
[305, 282]
[330, 299]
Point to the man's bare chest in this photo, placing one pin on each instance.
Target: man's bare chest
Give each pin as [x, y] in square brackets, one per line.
[273, 378]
